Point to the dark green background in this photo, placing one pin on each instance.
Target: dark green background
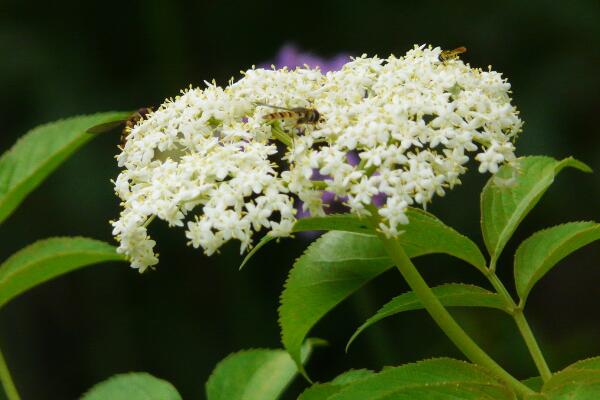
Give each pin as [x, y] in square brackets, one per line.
[63, 58]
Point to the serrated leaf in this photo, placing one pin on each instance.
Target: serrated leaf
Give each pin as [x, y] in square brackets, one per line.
[320, 391]
[535, 383]
[450, 295]
[339, 263]
[432, 379]
[504, 206]
[425, 234]
[571, 378]
[544, 249]
[579, 381]
[592, 363]
[263, 242]
[41, 150]
[323, 391]
[580, 389]
[258, 374]
[450, 390]
[333, 267]
[333, 222]
[352, 375]
[47, 259]
[132, 386]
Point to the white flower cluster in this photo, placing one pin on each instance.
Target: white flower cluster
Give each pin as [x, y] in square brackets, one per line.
[210, 162]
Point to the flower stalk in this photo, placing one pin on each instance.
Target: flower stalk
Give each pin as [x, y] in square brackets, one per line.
[522, 324]
[443, 318]
[7, 383]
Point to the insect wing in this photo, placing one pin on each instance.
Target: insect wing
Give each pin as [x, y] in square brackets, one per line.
[277, 107]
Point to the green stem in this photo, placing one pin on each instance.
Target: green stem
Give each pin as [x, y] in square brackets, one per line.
[6, 379]
[532, 345]
[523, 325]
[443, 318]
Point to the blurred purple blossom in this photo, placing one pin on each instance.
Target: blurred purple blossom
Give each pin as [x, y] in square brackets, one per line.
[290, 56]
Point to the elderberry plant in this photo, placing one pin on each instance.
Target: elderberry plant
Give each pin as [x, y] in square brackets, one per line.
[215, 163]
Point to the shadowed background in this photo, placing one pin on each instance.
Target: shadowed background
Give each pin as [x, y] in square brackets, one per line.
[63, 58]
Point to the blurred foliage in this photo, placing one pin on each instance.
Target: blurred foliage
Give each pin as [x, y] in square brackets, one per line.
[68, 57]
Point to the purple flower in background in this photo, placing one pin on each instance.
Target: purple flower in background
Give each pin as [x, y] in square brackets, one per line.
[289, 56]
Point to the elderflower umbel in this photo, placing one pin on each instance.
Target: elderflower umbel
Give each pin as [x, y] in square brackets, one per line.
[209, 162]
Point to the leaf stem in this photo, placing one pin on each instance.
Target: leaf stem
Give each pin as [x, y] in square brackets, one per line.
[532, 345]
[6, 379]
[443, 318]
[523, 325]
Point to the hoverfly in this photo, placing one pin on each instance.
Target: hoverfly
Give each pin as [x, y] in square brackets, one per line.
[126, 124]
[447, 55]
[302, 115]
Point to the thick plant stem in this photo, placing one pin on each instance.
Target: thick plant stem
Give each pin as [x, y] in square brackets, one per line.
[524, 329]
[443, 318]
[7, 382]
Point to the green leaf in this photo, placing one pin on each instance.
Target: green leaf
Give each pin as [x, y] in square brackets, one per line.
[333, 267]
[350, 376]
[544, 249]
[132, 386]
[333, 222]
[445, 391]
[534, 383]
[592, 363]
[579, 381]
[263, 242]
[580, 388]
[259, 374]
[339, 263]
[323, 391]
[35, 155]
[320, 391]
[450, 295]
[426, 234]
[47, 259]
[503, 206]
[433, 379]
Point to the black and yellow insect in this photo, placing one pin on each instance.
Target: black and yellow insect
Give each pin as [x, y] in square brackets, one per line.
[133, 119]
[301, 115]
[447, 55]
[126, 124]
